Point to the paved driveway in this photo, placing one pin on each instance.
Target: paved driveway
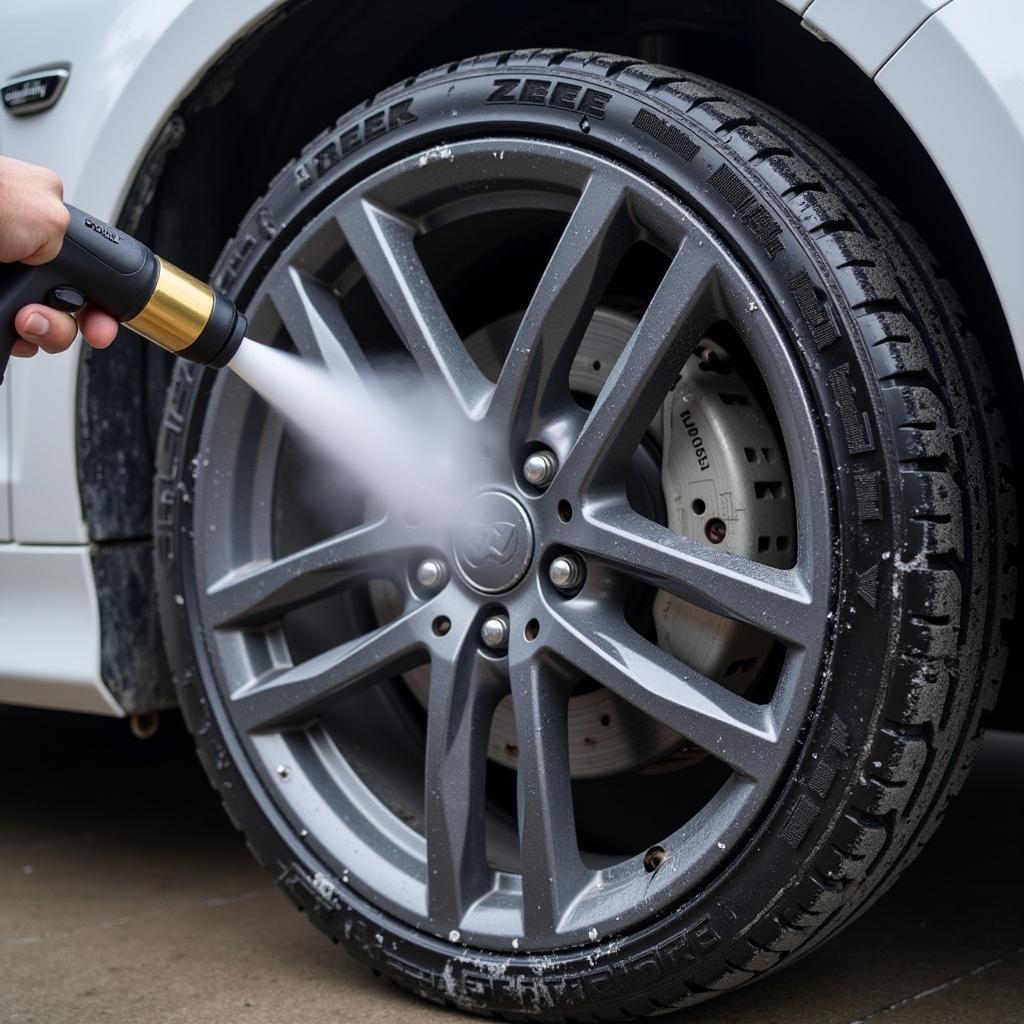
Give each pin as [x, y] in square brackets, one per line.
[126, 897]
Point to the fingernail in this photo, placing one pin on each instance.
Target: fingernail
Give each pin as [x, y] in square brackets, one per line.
[37, 325]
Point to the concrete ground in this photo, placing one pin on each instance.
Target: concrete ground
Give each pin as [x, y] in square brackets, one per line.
[125, 896]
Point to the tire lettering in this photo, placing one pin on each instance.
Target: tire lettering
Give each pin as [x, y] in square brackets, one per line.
[400, 113]
[803, 814]
[233, 265]
[326, 158]
[375, 125]
[371, 127]
[837, 747]
[594, 103]
[535, 90]
[859, 440]
[765, 228]
[667, 134]
[867, 487]
[503, 90]
[267, 223]
[350, 140]
[817, 313]
[550, 93]
[303, 179]
[564, 95]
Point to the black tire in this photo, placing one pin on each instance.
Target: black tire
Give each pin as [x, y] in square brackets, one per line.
[923, 585]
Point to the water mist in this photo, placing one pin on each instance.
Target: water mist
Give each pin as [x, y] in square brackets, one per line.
[392, 435]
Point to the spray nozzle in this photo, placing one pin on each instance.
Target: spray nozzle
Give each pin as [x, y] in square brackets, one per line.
[117, 273]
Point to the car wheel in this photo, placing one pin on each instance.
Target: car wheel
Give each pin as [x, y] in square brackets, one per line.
[724, 686]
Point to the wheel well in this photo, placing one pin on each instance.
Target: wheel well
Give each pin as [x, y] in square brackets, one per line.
[260, 104]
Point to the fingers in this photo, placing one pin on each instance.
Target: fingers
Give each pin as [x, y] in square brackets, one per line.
[41, 327]
[98, 328]
[46, 328]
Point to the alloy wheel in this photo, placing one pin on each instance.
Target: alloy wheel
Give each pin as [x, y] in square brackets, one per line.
[408, 820]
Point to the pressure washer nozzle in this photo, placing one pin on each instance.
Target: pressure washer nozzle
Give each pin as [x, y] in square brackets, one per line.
[105, 267]
[190, 319]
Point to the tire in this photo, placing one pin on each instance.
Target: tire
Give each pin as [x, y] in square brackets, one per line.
[917, 507]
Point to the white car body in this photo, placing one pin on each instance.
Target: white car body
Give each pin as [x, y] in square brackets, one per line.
[952, 69]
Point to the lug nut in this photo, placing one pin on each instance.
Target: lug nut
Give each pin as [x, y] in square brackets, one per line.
[431, 573]
[494, 632]
[539, 469]
[566, 572]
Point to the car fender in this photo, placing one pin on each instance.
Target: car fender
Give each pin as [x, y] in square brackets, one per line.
[131, 64]
[952, 69]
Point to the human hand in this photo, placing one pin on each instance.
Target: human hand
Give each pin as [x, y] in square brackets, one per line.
[33, 220]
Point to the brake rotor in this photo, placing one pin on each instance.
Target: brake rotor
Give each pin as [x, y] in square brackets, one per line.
[725, 482]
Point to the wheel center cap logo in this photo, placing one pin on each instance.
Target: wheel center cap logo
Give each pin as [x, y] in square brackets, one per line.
[493, 542]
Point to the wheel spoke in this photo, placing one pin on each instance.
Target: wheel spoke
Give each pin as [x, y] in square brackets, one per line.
[296, 695]
[464, 690]
[775, 601]
[553, 874]
[255, 595]
[310, 313]
[735, 730]
[384, 246]
[535, 376]
[685, 304]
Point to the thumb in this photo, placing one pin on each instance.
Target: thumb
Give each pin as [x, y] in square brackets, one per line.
[98, 328]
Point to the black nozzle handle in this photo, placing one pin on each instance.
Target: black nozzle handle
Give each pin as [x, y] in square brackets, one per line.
[118, 274]
[105, 266]
[111, 269]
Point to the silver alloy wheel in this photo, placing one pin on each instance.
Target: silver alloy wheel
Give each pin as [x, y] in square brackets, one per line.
[432, 866]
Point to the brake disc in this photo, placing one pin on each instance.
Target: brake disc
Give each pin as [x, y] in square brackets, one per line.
[724, 479]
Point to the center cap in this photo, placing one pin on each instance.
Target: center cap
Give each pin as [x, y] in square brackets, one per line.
[494, 542]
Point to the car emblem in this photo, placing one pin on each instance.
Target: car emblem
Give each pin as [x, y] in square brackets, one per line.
[34, 91]
[493, 545]
[490, 542]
